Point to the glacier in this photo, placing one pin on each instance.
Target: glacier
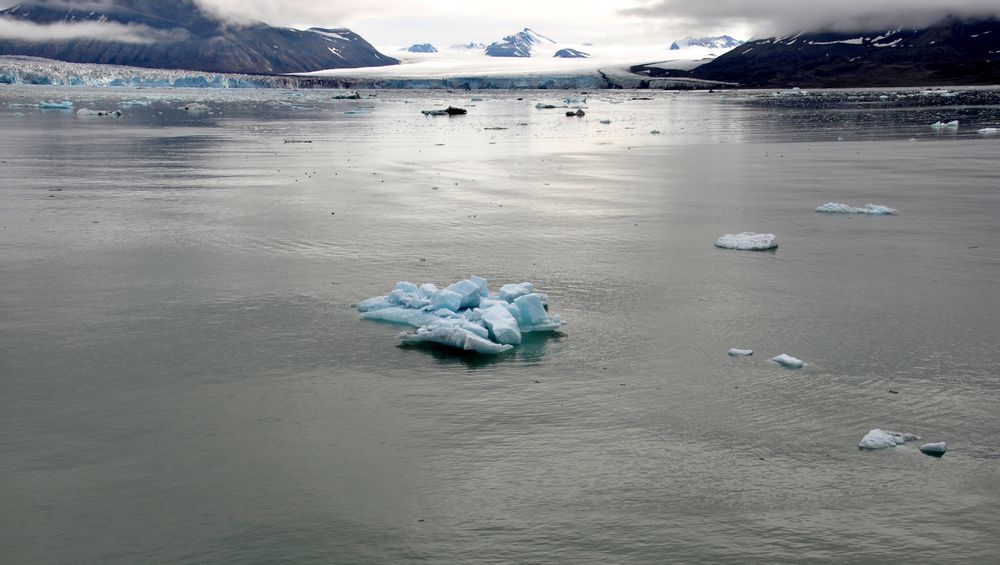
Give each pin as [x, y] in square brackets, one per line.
[869, 209]
[464, 315]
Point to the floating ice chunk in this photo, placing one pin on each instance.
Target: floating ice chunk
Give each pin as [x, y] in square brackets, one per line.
[869, 209]
[408, 299]
[989, 131]
[375, 303]
[606, 122]
[748, 241]
[532, 316]
[85, 113]
[458, 335]
[543, 106]
[740, 352]
[195, 108]
[484, 289]
[65, 105]
[406, 287]
[945, 125]
[574, 102]
[788, 361]
[934, 449]
[427, 290]
[511, 292]
[882, 439]
[447, 299]
[502, 324]
[469, 290]
[361, 112]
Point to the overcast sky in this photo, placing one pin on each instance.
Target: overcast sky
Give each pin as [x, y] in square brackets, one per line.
[646, 22]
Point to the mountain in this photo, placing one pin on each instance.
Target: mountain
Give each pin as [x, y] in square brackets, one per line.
[521, 44]
[421, 48]
[721, 42]
[571, 54]
[469, 46]
[950, 52]
[180, 35]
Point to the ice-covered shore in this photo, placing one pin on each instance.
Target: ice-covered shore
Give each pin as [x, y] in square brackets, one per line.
[464, 315]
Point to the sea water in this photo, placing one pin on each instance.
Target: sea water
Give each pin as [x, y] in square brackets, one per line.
[183, 378]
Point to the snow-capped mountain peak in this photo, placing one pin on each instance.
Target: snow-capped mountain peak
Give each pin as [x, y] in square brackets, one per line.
[721, 42]
[521, 44]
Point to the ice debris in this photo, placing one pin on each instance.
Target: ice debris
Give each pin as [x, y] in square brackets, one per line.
[945, 125]
[869, 209]
[464, 315]
[883, 439]
[85, 113]
[789, 362]
[934, 449]
[449, 111]
[195, 108]
[748, 241]
[989, 131]
[544, 106]
[66, 105]
[740, 352]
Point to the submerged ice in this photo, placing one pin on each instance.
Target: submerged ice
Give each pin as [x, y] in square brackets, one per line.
[464, 315]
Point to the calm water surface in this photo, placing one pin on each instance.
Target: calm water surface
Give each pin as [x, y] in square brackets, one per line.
[183, 379]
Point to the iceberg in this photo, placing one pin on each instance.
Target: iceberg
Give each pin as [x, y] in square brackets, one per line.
[869, 209]
[882, 439]
[748, 241]
[464, 315]
[740, 352]
[934, 449]
[945, 125]
[789, 362]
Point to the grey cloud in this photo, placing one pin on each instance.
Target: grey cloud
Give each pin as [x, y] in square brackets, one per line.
[104, 31]
[785, 16]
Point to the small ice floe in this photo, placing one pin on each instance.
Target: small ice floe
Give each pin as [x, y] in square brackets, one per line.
[869, 209]
[789, 362]
[351, 96]
[195, 108]
[544, 106]
[934, 449]
[605, 122]
[85, 113]
[989, 131]
[748, 241]
[464, 315]
[66, 105]
[475, 99]
[740, 352]
[449, 111]
[882, 439]
[945, 125]
[358, 112]
[574, 102]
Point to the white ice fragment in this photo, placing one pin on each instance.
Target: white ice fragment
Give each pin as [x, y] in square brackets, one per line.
[195, 108]
[869, 209]
[748, 241]
[375, 303]
[934, 449]
[989, 131]
[740, 352]
[788, 361]
[945, 125]
[511, 292]
[457, 335]
[502, 324]
[85, 113]
[484, 290]
[882, 439]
